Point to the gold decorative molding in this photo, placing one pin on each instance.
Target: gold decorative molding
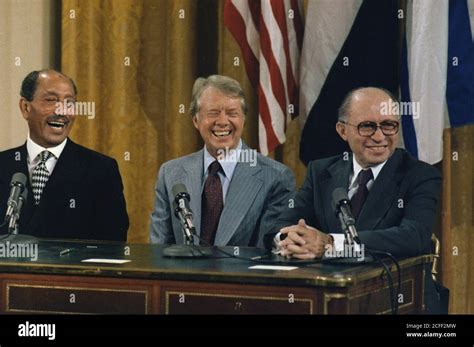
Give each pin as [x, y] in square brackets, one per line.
[328, 297]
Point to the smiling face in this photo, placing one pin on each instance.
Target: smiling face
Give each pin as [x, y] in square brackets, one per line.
[365, 106]
[48, 126]
[220, 120]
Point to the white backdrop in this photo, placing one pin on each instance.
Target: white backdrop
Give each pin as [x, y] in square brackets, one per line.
[27, 33]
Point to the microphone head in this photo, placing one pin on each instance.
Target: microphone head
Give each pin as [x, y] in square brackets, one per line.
[18, 179]
[339, 194]
[179, 188]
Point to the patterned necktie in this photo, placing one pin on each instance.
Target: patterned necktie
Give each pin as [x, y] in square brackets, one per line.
[40, 176]
[360, 195]
[212, 204]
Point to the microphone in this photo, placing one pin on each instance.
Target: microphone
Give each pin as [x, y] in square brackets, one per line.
[17, 187]
[12, 227]
[341, 204]
[183, 212]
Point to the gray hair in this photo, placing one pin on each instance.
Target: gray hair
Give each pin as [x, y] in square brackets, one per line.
[224, 84]
[343, 111]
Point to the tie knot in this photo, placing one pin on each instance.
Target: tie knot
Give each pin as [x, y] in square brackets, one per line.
[45, 155]
[364, 177]
[214, 168]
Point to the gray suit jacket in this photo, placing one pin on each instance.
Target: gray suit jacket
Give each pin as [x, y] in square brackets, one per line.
[257, 195]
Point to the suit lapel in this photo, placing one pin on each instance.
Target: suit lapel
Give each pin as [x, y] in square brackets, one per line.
[337, 176]
[381, 194]
[244, 186]
[68, 171]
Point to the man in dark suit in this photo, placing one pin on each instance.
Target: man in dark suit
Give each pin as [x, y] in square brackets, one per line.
[74, 192]
[237, 202]
[394, 197]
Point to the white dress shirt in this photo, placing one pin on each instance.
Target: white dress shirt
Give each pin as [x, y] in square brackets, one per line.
[34, 150]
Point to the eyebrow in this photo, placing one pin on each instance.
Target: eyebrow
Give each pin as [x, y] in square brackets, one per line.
[51, 92]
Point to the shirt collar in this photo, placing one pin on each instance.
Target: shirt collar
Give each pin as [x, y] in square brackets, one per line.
[356, 168]
[34, 149]
[228, 163]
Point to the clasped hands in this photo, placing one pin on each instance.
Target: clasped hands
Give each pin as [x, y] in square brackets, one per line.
[303, 241]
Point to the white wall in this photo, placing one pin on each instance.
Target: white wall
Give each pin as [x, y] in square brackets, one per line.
[27, 31]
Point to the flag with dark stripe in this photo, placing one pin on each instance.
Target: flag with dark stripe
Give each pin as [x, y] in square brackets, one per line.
[347, 44]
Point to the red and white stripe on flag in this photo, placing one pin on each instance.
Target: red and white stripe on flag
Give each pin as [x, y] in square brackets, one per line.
[270, 35]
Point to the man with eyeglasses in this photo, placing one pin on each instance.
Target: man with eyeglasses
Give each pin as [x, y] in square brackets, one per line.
[394, 196]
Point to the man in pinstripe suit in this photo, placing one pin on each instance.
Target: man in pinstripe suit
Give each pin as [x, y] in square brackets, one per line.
[251, 190]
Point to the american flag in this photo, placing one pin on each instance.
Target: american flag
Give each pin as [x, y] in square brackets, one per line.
[270, 35]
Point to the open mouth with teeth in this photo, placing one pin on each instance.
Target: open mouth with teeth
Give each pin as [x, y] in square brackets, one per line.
[55, 124]
[221, 134]
[58, 123]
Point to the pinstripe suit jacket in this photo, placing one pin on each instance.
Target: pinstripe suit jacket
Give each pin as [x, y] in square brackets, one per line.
[257, 195]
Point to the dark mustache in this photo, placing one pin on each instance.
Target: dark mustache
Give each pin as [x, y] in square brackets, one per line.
[57, 117]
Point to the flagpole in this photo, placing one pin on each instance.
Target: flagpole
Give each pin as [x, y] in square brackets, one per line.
[446, 232]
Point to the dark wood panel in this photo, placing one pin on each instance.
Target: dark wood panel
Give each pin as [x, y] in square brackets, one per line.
[206, 298]
[81, 298]
[213, 303]
[378, 301]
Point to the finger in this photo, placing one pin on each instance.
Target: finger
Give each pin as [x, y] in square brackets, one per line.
[285, 243]
[305, 256]
[296, 249]
[315, 249]
[296, 238]
[302, 223]
[289, 228]
[285, 253]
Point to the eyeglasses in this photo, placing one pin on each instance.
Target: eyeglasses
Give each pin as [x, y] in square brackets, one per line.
[367, 129]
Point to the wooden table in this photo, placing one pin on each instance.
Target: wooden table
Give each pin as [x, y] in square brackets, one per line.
[152, 284]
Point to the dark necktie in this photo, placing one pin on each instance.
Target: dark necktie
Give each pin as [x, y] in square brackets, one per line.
[360, 195]
[40, 176]
[212, 204]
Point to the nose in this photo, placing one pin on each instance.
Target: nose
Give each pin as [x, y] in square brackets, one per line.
[67, 108]
[378, 136]
[61, 110]
[222, 119]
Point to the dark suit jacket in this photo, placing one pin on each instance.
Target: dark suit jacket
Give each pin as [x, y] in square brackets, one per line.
[83, 198]
[397, 216]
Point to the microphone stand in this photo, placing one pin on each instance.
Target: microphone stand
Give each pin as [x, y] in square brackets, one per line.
[351, 238]
[188, 249]
[13, 225]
